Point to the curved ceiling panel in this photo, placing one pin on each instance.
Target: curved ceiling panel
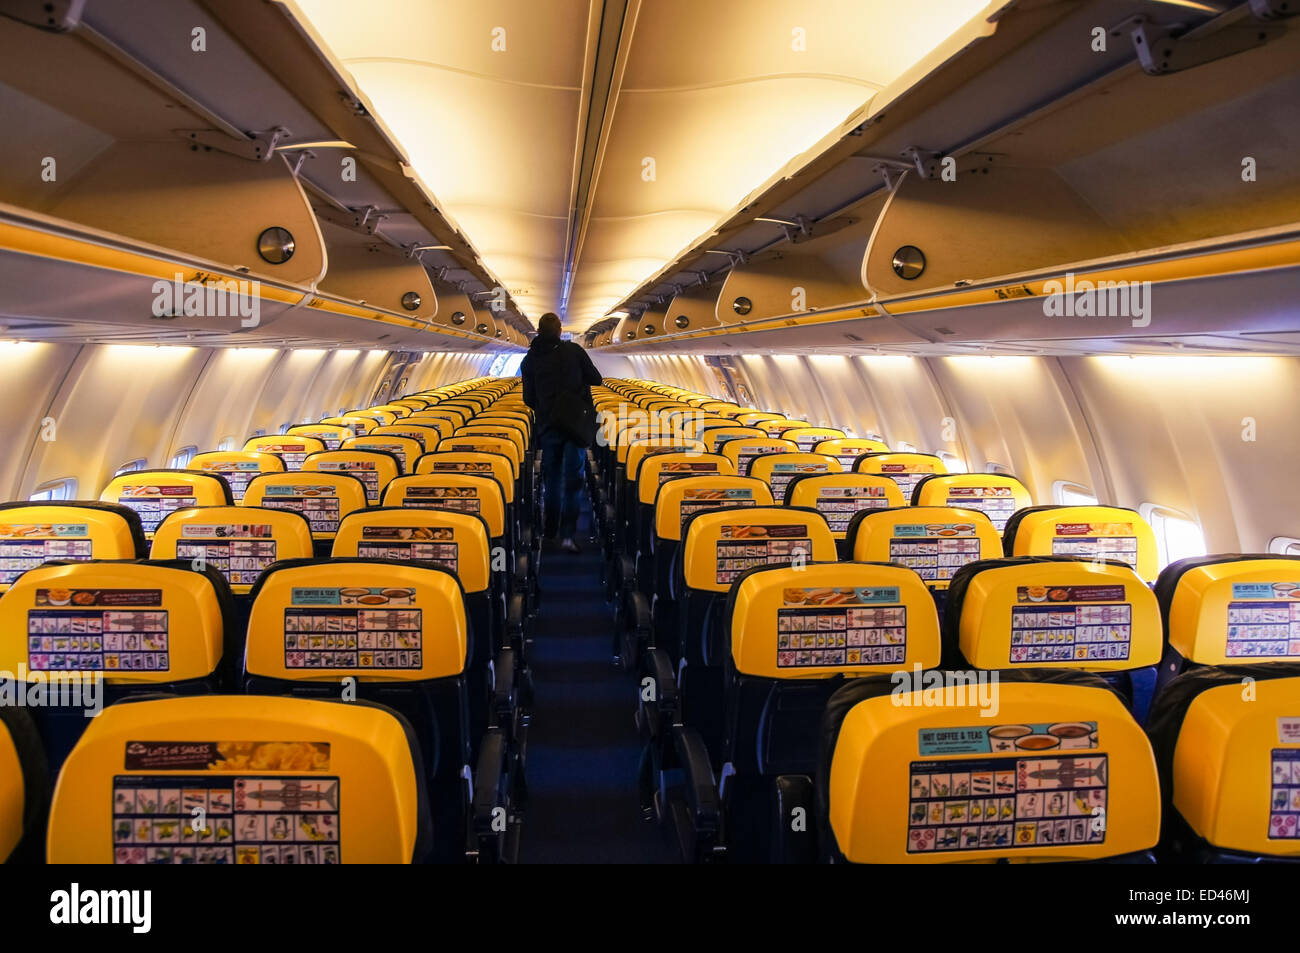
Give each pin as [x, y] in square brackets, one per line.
[584, 144]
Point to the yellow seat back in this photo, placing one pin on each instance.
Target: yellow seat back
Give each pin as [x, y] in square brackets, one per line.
[841, 496]
[833, 619]
[993, 494]
[153, 494]
[935, 541]
[271, 780]
[291, 448]
[33, 533]
[1059, 772]
[323, 498]
[131, 623]
[374, 468]
[238, 541]
[719, 547]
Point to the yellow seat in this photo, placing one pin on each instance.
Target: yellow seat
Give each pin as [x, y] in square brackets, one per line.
[494, 465]
[809, 437]
[322, 498]
[478, 495]
[291, 448]
[848, 449]
[240, 780]
[153, 494]
[936, 541]
[996, 496]
[240, 542]
[905, 469]
[374, 468]
[1085, 532]
[779, 469]
[34, 533]
[1035, 771]
[406, 450]
[1228, 741]
[841, 496]
[426, 436]
[331, 435]
[715, 436]
[358, 425]
[237, 466]
[743, 450]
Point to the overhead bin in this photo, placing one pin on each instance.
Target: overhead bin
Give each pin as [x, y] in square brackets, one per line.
[1000, 200]
[367, 270]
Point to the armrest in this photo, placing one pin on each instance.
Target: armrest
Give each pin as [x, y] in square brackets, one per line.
[633, 628]
[659, 711]
[503, 688]
[515, 619]
[702, 799]
[489, 786]
[626, 572]
[795, 825]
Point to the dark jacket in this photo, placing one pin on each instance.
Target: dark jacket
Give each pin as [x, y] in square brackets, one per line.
[553, 365]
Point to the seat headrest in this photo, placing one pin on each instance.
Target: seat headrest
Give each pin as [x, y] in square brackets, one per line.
[676, 501]
[1056, 772]
[240, 542]
[821, 620]
[33, 533]
[131, 622]
[323, 498]
[719, 547]
[1053, 610]
[1232, 608]
[1084, 532]
[155, 493]
[936, 541]
[993, 494]
[268, 780]
[324, 619]
[458, 542]
[839, 496]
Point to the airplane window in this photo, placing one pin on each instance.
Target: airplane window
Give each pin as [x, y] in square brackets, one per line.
[905, 447]
[1284, 546]
[137, 464]
[954, 463]
[227, 443]
[999, 468]
[65, 489]
[259, 432]
[1178, 536]
[284, 428]
[1072, 494]
[181, 459]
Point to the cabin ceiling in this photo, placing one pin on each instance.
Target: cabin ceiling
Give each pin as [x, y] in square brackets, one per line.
[584, 144]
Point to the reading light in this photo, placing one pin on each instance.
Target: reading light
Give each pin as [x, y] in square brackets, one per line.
[275, 245]
[411, 300]
[458, 318]
[742, 306]
[909, 262]
[681, 321]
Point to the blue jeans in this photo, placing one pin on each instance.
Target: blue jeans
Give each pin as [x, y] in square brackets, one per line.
[562, 468]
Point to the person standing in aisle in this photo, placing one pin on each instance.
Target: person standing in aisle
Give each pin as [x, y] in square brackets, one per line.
[558, 376]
